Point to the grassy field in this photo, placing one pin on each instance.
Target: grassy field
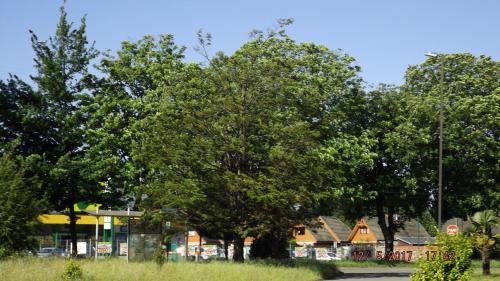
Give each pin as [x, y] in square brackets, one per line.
[33, 269]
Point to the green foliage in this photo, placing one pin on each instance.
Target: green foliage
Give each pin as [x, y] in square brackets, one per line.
[470, 99]
[429, 223]
[126, 96]
[22, 117]
[19, 204]
[159, 256]
[452, 261]
[72, 271]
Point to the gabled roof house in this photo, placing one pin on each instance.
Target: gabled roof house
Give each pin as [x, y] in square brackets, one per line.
[326, 231]
[368, 231]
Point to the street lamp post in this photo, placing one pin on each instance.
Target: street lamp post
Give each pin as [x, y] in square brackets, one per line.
[441, 121]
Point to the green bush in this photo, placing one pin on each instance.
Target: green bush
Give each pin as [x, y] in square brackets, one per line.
[159, 256]
[451, 262]
[4, 252]
[72, 271]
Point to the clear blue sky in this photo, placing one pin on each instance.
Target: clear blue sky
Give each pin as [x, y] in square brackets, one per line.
[385, 36]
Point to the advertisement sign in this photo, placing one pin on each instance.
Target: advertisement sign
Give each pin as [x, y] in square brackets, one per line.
[81, 248]
[123, 249]
[104, 248]
[210, 250]
[300, 252]
[321, 253]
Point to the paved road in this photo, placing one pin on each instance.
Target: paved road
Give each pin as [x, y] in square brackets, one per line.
[375, 274]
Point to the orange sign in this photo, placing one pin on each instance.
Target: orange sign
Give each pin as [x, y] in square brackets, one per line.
[452, 230]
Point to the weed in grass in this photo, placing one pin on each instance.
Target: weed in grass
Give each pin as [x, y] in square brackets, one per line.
[72, 271]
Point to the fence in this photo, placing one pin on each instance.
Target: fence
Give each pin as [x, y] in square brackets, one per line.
[85, 247]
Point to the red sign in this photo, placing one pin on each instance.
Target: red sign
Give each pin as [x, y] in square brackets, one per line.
[452, 230]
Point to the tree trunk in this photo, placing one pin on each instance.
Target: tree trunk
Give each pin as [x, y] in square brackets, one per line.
[391, 227]
[226, 250]
[239, 243]
[485, 257]
[227, 238]
[386, 231]
[278, 246]
[72, 229]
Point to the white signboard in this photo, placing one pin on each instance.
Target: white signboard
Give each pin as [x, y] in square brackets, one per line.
[321, 253]
[123, 249]
[81, 248]
[300, 252]
[104, 248]
[210, 250]
[107, 222]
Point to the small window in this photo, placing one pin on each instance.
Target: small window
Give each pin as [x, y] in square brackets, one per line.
[363, 230]
[301, 231]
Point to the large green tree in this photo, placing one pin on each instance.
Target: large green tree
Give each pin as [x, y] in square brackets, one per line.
[390, 190]
[62, 65]
[243, 141]
[467, 89]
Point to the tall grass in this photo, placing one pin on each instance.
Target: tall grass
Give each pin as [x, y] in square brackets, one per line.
[34, 269]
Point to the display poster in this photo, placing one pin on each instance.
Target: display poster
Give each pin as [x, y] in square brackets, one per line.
[81, 248]
[123, 249]
[300, 252]
[104, 248]
[321, 253]
[210, 250]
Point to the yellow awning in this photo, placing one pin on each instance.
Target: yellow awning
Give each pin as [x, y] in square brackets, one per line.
[63, 219]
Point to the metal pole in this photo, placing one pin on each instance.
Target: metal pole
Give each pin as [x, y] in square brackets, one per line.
[186, 239]
[440, 171]
[96, 231]
[128, 232]
[112, 235]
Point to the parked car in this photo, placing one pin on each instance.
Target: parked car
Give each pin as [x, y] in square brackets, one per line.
[51, 252]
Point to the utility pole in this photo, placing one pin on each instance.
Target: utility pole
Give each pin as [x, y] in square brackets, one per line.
[440, 169]
[441, 122]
